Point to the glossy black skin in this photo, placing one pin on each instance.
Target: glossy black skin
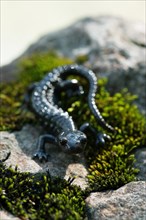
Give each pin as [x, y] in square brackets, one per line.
[44, 100]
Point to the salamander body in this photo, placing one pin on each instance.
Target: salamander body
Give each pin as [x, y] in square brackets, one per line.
[44, 102]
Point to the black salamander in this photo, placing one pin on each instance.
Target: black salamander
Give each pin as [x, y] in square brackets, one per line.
[44, 97]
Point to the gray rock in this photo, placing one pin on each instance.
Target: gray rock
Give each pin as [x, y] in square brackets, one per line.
[18, 143]
[115, 48]
[22, 145]
[101, 205]
[7, 216]
[127, 202]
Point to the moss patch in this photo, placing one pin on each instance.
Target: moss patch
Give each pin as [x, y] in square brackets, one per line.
[112, 166]
[109, 167]
[40, 197]
[13, 114]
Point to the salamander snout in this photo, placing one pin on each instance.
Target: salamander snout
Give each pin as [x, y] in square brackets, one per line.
[73, 142]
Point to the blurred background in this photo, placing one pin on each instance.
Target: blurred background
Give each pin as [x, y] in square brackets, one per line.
[24, 21]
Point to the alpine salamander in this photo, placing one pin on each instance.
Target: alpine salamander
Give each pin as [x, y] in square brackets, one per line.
[44, 97]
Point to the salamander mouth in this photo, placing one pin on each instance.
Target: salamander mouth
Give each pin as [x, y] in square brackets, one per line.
[74, 149]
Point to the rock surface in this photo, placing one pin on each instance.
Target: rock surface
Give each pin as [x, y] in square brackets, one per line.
[114, 48]
[6, 216]
[22, 145]
[127, 202]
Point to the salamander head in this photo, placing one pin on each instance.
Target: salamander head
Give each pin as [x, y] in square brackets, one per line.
[73, 142]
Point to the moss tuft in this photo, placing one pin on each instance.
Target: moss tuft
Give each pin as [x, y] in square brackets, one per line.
[110, 170]
[81, 59]
[38, 196]
[112, 166]
[12, 114]
[36, 66]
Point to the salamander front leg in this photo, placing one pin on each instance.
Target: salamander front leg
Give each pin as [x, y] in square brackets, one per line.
[101, 138]
[41, 154]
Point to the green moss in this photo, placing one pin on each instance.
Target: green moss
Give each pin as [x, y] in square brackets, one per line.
[109, 167]
[110, 170]
[81, 59]
[36, 66]
[112, 166]
[38, 196]
[13, 115]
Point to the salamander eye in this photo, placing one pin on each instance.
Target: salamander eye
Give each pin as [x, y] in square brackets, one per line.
[63, 142]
